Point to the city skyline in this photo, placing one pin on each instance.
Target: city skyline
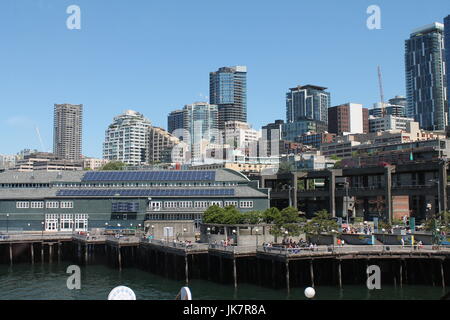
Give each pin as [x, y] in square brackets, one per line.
[108, 98]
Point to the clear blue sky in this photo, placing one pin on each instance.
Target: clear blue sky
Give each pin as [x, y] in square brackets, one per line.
[155, 56]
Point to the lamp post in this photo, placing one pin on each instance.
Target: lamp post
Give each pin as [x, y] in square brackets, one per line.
[29, 225]
[7, 223]
[153, 231]
[208, 232]
[184, 231]
[439, 194]
[42, 223]
[256, 230]
[346, 200]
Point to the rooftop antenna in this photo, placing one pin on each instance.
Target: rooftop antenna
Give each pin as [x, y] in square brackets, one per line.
[380, 83]
[40, 139]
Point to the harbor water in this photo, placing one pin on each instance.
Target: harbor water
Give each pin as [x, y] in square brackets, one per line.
[49, 282]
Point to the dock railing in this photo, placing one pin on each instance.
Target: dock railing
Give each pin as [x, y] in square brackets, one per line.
[179, 245]
[233, 249]
[123, 239]
[352, 249]
[38, 236]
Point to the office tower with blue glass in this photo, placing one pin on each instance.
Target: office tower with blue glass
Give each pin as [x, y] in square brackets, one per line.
[447, 56]
[306, 110]
[175, 120]
[228, 90]
[307, 103]
[426, 87]
[201, 127]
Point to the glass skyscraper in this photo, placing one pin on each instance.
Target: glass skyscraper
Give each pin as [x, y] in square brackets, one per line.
[425, 77]
[307, 103]
[175, 121]
[447, 56]
[228, 90]
[201, 127]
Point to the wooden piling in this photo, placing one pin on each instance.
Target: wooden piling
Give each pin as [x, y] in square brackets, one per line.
[50, 252]
[311, 271]
[288, 288]
[59, 251]
[32, 253]
[401, 273]
[86, 253]
[42, 252]
[234, 272]
[10, 254]
[186, 268]
[442, 274]
[119, 257]
[340, 273]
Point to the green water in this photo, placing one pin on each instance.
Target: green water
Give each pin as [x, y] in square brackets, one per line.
[48, 282]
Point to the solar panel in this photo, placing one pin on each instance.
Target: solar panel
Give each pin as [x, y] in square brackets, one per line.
[150, 176]
[146, 192]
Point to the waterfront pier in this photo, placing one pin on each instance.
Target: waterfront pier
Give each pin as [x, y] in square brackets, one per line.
[274, 267]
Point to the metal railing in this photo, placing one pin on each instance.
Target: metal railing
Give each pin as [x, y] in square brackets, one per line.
[233, 249]
[179, 245]
[35, 236]
[384, 249]
[122, 239]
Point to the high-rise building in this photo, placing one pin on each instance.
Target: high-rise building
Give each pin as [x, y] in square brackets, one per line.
[425, 77]
[447, 56]
[175, 121]
[160, 143]
[398, 101]
[239, 135]
[201, 125]
[307, 103]
[292, 130]
[348, 118]
[388, 122]
[388, 110]
[271, 136]
[126, 139]
[68, 131]
[228, 90]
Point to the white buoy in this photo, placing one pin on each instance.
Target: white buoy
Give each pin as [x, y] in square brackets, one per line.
[310, 292]
[121, 293]
[186, 294]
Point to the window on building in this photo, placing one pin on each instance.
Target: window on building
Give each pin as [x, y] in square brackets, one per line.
[37, 204]
[22, 204]
[155, 206]
[231, 203]
[52, 204]
[66, 204]
[246, 204]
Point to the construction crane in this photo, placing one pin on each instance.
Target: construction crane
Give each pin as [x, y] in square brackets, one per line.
[40, 139]
[380, 83]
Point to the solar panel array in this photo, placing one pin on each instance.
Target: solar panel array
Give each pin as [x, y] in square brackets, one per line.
[150, 176]
[145, 192]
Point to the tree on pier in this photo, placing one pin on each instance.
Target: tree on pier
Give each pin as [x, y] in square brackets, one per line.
[321, 223]
[288, 220]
